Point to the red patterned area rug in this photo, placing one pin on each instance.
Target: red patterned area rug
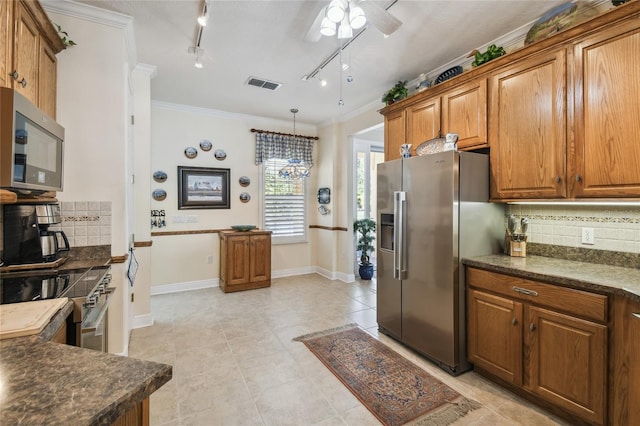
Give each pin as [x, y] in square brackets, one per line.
[394, 389]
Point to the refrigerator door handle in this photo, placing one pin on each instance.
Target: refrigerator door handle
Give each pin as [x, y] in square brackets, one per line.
[398, 225]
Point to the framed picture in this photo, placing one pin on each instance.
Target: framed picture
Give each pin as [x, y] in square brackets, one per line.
[203, 188]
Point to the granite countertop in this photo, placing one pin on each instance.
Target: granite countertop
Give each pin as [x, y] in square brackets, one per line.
[50, 383]
[582, 275]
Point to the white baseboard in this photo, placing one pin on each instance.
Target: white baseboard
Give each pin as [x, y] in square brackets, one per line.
[292, 272]
[333, 275]
[185, 286]
[141, 321]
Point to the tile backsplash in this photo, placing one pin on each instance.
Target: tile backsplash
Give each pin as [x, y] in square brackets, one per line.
[86, 223]
[616, 228]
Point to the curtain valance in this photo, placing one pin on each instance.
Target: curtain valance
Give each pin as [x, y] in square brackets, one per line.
[286, 147]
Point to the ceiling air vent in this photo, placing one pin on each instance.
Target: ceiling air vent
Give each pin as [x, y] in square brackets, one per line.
[265, 84]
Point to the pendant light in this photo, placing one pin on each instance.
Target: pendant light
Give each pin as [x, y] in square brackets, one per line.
[295, 168]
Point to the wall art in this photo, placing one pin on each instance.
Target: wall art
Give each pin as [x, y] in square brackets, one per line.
[159, 194]
[245, 197]
[159, 176]
[191, 152]
[205, 145]
[244, 181]
[220, 154]
[324, 195]
[203, 188]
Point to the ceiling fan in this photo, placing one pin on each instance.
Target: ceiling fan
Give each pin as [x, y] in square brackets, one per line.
[375, 14]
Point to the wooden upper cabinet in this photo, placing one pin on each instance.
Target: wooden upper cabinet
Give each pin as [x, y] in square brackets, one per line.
[423, 122]
[28, 47]
[26, 54]
[6, 27]
[607, 113]
[464, 111]
[527, 128]
[394, 135]
[47, 80]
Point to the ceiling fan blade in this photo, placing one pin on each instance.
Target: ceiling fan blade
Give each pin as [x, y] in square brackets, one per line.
[379, 17]
[313, 33]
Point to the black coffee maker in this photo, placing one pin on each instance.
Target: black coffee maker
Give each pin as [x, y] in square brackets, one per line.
[26, 234]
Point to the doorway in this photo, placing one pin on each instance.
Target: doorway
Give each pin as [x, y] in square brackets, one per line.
[368, 151]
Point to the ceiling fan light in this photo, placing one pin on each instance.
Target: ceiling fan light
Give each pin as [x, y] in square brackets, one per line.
[336, 11]
[345, 30]
[357, 18]
[327, 28]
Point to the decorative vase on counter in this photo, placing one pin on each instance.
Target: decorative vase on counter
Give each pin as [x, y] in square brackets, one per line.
[405, 150]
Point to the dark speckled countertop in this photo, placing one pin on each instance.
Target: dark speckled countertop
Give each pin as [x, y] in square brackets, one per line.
[582, 275]
[46, 383]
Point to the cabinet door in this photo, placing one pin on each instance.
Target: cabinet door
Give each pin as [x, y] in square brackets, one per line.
[394, 135]
[260, 255]
[47, 80]
[25, 53]
[237, 260]
[495, 335]
[6, 38]
[607, 113]
[568, 362]
[464, 111]
[423, 122]
[527, 130]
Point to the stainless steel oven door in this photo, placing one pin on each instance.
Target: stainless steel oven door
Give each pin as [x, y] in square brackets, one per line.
[94, 329]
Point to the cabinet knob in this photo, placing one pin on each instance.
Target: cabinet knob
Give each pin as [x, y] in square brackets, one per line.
[23, 82]
[14, 74]
[558, 179]
[578, 178]
[514, 321]
[532, 327]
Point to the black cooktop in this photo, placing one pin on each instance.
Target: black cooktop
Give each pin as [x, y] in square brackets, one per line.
[26, 286]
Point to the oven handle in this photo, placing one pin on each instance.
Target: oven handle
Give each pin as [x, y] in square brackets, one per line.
[90, 323]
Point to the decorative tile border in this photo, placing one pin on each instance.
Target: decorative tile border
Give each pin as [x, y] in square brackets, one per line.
[81, 219]
[575, 218]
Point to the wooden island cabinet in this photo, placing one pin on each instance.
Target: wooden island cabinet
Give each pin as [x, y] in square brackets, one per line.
[245, 260]
[548, 341]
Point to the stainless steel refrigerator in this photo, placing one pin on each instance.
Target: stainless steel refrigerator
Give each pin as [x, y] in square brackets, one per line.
[432, 211]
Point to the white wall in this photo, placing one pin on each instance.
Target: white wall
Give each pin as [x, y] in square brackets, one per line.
[91, 106]
[184, 259]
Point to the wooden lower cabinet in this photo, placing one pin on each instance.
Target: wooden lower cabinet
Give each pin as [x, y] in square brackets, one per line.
[137, 416]
[634, 365]
[245, 260]
[549, 352]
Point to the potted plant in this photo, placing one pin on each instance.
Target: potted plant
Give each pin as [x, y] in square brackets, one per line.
[396, 93]
[367, 229]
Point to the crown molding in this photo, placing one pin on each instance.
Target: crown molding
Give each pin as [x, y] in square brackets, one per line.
[99, 16]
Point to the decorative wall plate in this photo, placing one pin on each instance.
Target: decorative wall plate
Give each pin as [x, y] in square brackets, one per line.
[244, 181]
[191, 152]
[220, 154]
[159, 176]
[159, 194]
[205, 145]
[431, 146]
[245, 197]
[324, 195]
[451, 72]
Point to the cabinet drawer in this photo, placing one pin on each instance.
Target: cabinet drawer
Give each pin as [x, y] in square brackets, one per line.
[577, 302]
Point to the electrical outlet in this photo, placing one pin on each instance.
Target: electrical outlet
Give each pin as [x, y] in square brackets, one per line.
[588, 236]
[178, 219]
[209, 259]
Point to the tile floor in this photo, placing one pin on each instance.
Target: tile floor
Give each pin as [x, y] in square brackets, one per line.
[235, 362]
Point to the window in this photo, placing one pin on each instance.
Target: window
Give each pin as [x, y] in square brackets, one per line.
[285, 210]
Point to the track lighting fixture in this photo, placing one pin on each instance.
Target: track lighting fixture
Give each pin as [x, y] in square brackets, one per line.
[203, 19]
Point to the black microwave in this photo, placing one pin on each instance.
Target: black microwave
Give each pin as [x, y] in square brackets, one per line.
[31, 145]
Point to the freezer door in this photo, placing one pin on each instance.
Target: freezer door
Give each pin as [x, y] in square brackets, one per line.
[389, 288]
[430, 291]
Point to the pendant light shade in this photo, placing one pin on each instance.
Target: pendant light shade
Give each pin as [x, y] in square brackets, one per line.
[295, 169]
